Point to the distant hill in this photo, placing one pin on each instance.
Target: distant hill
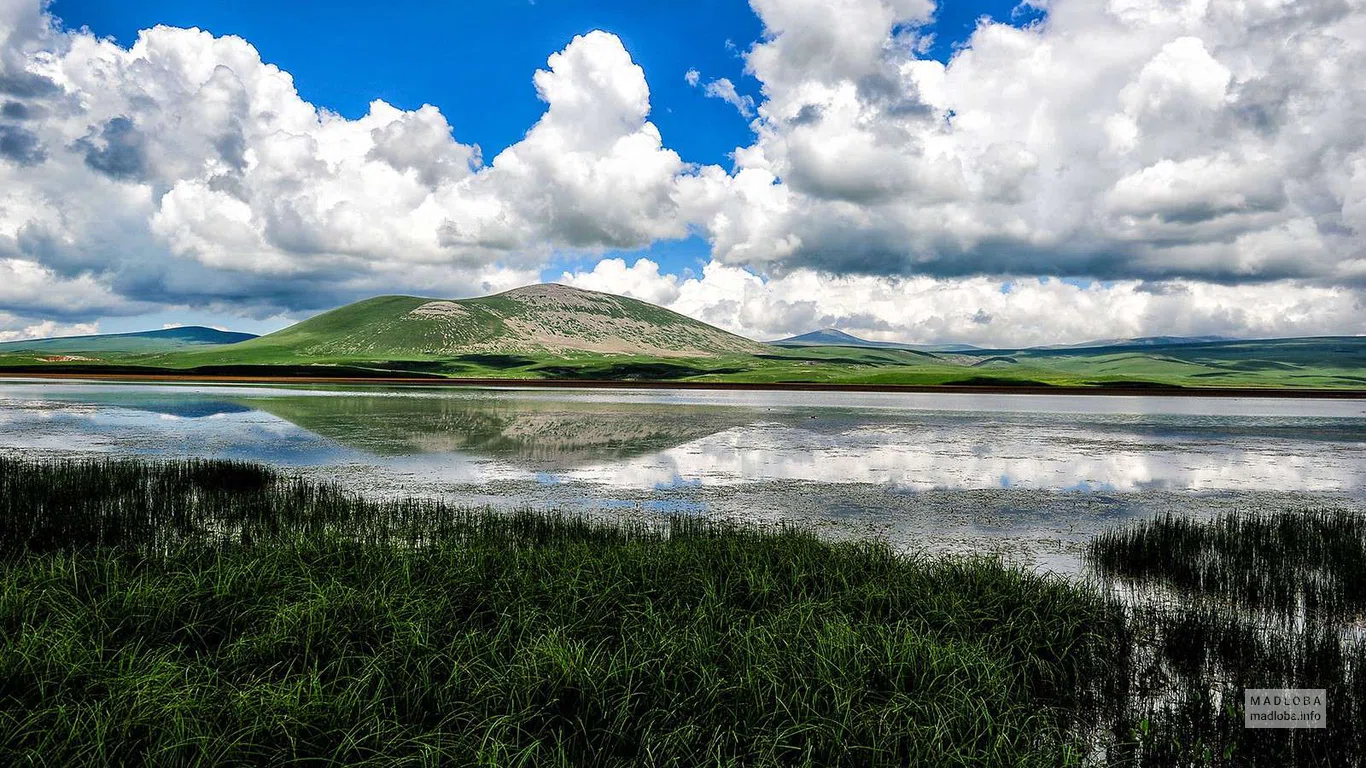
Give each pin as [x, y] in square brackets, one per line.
[1327, 361]
[828, 337]
[139, 342]
[1245, 354]
[837, 338]
[546, 319]
[831, 337]
[1142, 341]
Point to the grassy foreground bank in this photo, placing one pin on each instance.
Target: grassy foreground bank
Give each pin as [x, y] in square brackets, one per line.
[210, 613]
[206, 613]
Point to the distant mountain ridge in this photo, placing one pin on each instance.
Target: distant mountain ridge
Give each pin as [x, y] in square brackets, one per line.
[1142, 341]
[834, 337]
[837, 338]
[163, 340]
[546, 318]
[566, 334]
[831, 336]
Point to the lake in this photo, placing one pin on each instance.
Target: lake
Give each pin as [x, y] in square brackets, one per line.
[1027, 476]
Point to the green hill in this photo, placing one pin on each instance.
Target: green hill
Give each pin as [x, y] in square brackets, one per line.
[140, 342]
[1326, 361]
[536, 321]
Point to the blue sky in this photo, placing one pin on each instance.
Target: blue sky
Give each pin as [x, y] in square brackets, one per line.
[474, 59]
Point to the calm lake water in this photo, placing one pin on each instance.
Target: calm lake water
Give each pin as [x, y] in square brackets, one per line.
[1027, 476]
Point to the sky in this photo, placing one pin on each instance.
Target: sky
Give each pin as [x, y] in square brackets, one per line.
[995, 173]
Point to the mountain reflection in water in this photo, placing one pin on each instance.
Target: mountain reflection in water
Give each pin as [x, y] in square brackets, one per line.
[537, 433]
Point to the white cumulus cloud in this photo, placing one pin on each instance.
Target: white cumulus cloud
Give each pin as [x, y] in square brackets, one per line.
[980, 310]
[16, 329]
[1129, 139]
[724, 89]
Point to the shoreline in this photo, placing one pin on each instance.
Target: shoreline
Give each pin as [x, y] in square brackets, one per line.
[1156, 390]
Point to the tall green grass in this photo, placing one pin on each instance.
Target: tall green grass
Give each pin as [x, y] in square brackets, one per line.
[206, 613]
[1310, 560]
[210, 613]
[1245, 600]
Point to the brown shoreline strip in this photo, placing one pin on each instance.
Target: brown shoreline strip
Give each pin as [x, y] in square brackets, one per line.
[980, 389]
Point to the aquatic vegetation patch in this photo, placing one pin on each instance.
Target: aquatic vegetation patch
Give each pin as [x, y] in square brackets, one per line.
[1311, 560]
[1253, 599]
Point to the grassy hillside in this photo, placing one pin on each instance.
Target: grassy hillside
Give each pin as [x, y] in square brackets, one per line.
[121, 344]
[538, 320]
[1312, 362]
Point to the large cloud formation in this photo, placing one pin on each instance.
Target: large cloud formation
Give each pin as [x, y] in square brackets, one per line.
[1199, 165]
[185, 171]
[1148, 139]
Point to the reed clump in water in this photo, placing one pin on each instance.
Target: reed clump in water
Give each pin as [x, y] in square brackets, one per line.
[210, 612]
[1244, 600]
[1308, 560]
